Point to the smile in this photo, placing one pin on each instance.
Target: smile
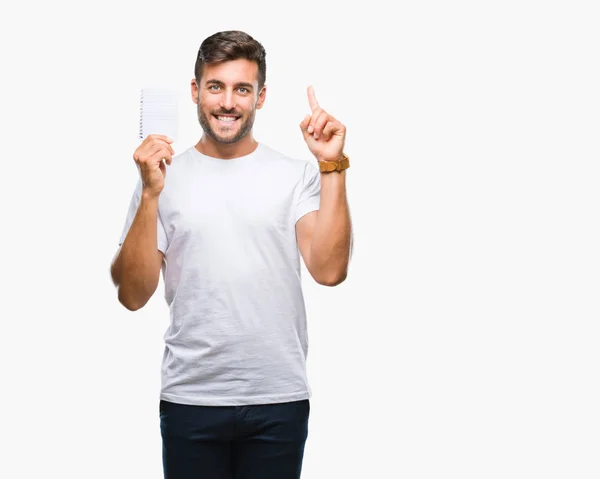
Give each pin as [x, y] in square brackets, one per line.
[225, 119]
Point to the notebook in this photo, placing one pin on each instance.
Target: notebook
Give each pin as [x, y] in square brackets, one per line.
[158, 112]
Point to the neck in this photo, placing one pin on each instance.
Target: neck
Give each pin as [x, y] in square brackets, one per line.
[226, 151]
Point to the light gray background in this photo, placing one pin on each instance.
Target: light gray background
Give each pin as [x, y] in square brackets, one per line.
[464, 343]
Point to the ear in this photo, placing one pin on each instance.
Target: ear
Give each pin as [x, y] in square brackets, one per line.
[194, 86]
[261, 97]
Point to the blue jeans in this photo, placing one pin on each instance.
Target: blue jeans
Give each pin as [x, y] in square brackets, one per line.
[233, 442]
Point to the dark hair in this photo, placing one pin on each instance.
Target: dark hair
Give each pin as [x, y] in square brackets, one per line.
[231, 45]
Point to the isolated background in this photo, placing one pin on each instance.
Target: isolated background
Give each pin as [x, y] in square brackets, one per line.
[464, 342]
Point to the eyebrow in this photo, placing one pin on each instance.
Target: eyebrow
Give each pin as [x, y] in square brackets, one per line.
[237, 85]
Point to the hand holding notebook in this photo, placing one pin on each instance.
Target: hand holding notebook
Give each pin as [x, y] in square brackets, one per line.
[158, 129]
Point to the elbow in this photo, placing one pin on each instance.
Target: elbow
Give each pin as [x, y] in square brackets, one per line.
[134, 289]
[333, 280]
[131, 306]
[130, 303]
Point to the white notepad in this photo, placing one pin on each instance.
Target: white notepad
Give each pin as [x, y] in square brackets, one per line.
[158, 112]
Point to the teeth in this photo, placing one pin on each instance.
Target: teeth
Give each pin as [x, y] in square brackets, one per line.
[226, 118]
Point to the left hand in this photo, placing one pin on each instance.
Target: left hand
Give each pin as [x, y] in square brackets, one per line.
[323, 134]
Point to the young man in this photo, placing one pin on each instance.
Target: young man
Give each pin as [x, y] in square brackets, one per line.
[226, 221]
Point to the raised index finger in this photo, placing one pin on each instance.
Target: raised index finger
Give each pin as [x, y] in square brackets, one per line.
[312, 99]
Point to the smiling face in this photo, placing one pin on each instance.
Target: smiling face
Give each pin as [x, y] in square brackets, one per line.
[228, 97]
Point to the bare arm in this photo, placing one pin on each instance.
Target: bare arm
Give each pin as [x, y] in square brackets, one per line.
[325, 236]
[135, 270]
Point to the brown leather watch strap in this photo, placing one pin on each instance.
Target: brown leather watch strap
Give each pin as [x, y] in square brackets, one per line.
[339, 165]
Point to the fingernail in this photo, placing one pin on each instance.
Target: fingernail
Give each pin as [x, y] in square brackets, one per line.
[310, 128]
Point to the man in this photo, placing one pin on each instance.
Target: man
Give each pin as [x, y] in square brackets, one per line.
[226, 221]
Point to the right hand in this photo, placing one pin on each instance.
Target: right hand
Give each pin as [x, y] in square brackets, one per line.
[149, 158]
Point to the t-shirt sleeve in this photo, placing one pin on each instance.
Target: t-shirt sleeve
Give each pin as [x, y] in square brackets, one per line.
[133, 206]
[310, 192]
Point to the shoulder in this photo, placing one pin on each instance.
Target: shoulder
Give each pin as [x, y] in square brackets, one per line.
[183, 159]
[181, 166]
[281, 162]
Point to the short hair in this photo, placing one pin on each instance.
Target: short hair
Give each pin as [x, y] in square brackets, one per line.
[231, 45]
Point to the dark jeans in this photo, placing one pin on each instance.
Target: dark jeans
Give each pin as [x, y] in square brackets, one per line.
[233, 442]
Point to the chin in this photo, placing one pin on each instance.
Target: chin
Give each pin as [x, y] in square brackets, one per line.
[227, 140]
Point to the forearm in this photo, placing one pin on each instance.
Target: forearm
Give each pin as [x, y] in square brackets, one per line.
[332, 236]
[136, 269]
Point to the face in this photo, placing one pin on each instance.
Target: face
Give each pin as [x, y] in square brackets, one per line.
[227, 99]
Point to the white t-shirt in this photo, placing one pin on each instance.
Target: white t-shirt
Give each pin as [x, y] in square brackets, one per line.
[238, 333]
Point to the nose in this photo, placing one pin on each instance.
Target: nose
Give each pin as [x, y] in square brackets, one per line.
[228, 100]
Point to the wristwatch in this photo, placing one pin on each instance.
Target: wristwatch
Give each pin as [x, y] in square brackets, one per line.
[339, 165]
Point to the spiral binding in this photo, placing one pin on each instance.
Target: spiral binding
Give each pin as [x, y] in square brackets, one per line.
[141, 133]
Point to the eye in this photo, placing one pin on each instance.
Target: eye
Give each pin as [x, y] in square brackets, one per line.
[243, 89]
[213, 87]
